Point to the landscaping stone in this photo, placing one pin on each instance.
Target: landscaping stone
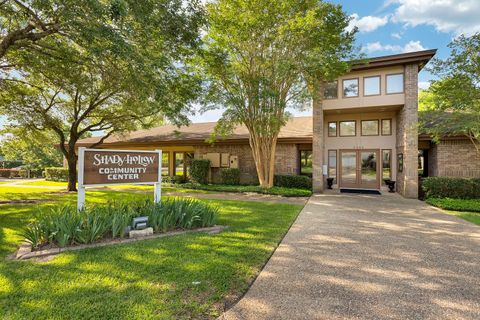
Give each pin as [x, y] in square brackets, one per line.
[140, 233]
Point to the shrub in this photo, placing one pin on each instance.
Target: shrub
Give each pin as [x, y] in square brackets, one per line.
[289, 181]
[199, 170]
[59, 174]
[62, 226]
[451, 187]
[230, 176]
[468, 205]
[174, 179]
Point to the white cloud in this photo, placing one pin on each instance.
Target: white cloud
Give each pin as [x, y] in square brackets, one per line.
[409, 47]
[367, 23]
[423, 85]
[457, 16]
[396, 35]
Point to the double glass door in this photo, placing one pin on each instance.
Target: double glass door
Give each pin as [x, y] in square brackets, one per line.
[359, 169]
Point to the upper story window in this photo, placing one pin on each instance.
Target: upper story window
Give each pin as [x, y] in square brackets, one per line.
[394, 83]
[386, 127]
[350, 88]
[332, 129]
[348, 128]
[331, 90]
[371, 86]
[369, 128]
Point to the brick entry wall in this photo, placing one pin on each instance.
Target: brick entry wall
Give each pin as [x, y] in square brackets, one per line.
[286, 160]
[454, 158]
[407, 135]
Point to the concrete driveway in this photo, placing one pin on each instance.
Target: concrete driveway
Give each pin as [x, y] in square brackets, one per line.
[369, 257]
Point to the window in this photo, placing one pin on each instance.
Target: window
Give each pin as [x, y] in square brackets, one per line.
[369, 127]
[386, 127]
[395, 83]
[332, 164]
[331, 90]
[350, 88]
[179, 164]
[332, 129]
[306, 162]
[386, 164]
[371, 86]
[165, 163]
[348, 128]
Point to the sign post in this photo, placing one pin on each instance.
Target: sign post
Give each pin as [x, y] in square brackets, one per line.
[109, 167]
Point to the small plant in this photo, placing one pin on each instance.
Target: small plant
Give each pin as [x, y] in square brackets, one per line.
[230, 176]
[291, 181]
[64, 226]
[451, 187]
[199, 170]
[59, 174]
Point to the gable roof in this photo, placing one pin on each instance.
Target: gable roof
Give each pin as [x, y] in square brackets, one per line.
[298, 129]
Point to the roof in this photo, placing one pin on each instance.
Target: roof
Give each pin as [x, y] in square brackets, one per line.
[420, 57]
[298, 129]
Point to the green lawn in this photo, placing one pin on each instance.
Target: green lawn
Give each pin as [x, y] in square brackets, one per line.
[463, 208]
[180, 277]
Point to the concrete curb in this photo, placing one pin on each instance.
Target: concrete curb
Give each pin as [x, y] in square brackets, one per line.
[25, 252]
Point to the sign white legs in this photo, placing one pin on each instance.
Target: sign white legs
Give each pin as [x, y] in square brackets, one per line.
[158, 186]
[81, 188]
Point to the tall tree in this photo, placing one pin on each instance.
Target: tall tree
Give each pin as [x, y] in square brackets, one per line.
[453, 101]
[36, 150]
[263, 56]
[108, 87]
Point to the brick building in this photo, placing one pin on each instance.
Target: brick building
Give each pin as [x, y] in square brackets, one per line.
[363, 129]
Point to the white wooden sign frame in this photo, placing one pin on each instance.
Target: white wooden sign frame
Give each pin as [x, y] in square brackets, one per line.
[81, 169]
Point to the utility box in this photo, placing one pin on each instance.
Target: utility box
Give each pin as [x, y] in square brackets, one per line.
[234, 162]
[214, 159]
[225, 160]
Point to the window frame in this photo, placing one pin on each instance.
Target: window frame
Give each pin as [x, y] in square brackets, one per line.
[336, 129]
[369, 135]
[379, 86]
[381, 129]
[340, 128]
[166, 153]
[336, 164]
[343, 88]
[324, 96]
[300, 161]
[386, 83]
[391, 153]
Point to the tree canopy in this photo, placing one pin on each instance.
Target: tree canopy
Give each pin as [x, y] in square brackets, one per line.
[262, 56]
[455, 96]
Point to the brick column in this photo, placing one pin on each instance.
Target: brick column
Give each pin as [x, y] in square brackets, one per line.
[407, 135]
[318, 141]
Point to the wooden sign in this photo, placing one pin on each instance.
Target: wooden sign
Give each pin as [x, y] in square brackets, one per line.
[103, 167]
[107, 167]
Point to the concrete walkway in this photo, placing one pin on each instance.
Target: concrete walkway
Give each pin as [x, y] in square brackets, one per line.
[369, 257]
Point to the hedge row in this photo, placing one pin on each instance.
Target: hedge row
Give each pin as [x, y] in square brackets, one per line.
[199, 170]
[289, 181]
[58, 174]
[230, 176]
[13, 173]
[450, 187]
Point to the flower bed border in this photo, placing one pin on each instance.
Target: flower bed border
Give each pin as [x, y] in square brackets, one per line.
[25, 252]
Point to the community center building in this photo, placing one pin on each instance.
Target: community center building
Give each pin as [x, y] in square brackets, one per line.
[363, 131]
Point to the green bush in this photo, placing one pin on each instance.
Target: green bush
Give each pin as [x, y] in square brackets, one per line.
[199, 170]
[468, 205]
[173, 179]
[59, 174]
[62, 226]
[289, 181]
[230, 176]
[450, 187]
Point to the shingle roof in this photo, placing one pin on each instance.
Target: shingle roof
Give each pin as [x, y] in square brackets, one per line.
[296, 128]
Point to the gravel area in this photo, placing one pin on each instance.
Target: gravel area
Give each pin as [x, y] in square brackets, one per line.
[369, 257]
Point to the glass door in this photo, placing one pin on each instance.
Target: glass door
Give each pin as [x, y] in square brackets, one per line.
[369, 169]
[348, 169]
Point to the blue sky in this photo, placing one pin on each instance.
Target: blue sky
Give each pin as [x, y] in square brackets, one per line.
[395, 26]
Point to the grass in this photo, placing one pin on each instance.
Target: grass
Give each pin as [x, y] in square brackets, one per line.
[180, 277]
[466, 209]
[286, 192]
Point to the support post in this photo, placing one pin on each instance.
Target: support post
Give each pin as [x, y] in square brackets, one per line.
[81, 187]
[158, 185]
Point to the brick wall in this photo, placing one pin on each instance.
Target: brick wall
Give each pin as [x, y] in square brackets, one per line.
[286, 160]
[454, 158]
[407, 135]
[318, 142]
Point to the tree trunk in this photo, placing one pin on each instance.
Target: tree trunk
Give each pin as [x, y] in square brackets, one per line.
[72, 171]
[263, 151]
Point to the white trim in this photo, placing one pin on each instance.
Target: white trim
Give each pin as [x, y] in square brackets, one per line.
[157, 196]
[81, 186]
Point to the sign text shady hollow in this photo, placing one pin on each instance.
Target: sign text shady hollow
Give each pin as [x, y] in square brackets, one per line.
[105, 167]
